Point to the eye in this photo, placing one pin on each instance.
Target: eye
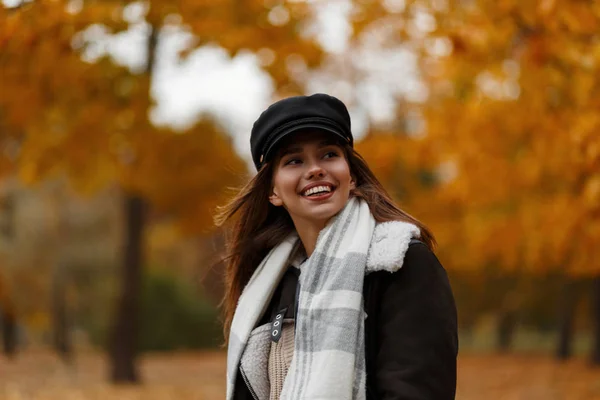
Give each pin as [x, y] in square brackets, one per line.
[292, 161]
[330, 154]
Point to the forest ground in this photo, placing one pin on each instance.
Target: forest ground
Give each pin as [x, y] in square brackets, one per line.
[40, 375]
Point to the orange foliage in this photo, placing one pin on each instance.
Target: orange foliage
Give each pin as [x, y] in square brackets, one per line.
[60, 114]
[512, 112]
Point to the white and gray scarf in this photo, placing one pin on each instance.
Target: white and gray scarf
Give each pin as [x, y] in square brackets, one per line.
[329, 359]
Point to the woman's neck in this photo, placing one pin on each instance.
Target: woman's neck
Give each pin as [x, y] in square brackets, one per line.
[309, 233]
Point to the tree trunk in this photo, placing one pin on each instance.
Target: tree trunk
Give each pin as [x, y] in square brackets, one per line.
[509, 311]
[9, 333]
[506, 329]
[567, 306]
[8, 320]
[124, 341]
[125, 330]
[62, 338]
[595, 312]
[7, 312]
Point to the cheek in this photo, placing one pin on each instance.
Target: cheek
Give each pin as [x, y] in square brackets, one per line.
[284, 184]
[343, 174]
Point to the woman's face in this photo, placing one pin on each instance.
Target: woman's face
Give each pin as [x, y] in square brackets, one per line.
[311, 178]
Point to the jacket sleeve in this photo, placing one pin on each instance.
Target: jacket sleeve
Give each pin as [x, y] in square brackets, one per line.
[417, 332]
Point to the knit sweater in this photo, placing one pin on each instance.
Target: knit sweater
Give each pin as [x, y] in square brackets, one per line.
[280, 359]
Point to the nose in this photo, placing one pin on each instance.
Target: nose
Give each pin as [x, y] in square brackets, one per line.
[315, 170]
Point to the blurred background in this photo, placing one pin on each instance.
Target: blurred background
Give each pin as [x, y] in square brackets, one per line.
[123, 124]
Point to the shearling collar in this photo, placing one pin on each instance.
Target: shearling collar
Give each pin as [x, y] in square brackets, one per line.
[389, 244]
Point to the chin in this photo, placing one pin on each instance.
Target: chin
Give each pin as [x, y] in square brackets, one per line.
[324, 215]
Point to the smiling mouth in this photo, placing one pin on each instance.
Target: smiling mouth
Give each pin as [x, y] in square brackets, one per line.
[318, 191]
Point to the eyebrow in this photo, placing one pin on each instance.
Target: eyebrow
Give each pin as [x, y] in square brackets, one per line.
[292, 150]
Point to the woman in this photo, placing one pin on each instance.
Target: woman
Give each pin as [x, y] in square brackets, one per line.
[332, 291]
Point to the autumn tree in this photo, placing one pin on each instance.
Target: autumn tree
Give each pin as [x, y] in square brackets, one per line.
[61, 114]
[509, 130]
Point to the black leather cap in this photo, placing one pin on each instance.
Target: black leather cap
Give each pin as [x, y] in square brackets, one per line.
[319, 111]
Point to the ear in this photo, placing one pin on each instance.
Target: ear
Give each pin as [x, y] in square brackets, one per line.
[352, 183]
[275, 200]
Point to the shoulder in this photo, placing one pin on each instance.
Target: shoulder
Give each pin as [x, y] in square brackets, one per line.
[419, 253]
[422, 283]
[420, 286]
[421, 263]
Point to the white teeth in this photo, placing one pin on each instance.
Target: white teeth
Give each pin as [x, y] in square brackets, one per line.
[317, 189]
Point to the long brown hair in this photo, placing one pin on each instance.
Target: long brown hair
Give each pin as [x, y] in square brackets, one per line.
[259, 226]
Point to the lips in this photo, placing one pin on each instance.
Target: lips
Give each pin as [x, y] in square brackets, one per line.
[319, 197]
[307, 188]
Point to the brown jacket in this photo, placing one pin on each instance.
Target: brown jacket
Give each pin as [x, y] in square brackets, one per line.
[411, 341]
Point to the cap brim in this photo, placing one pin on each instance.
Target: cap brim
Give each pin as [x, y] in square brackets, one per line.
[308, 125]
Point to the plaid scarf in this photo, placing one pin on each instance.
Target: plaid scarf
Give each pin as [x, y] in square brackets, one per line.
[329, 359]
